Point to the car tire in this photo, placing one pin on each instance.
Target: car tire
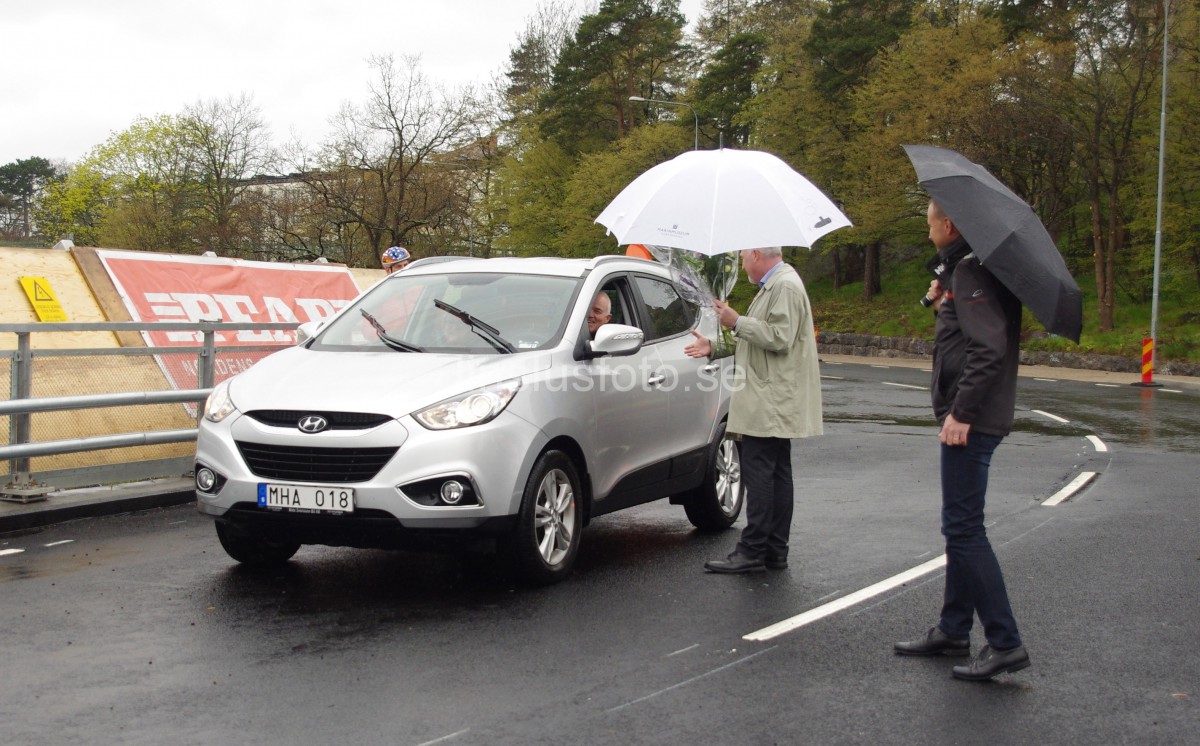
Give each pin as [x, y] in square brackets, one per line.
[545, 542]
[717, 502]
[254, 550]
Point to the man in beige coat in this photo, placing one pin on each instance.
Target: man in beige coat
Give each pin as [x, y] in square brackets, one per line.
[776, 397]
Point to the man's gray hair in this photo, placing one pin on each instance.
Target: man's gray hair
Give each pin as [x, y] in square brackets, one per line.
[771, 252]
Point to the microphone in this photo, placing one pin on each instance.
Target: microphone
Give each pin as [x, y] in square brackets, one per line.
[936, 267]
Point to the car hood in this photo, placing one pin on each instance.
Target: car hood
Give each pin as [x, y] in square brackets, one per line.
[385, 382]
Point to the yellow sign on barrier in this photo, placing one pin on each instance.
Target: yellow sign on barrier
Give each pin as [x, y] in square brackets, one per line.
[45, 302]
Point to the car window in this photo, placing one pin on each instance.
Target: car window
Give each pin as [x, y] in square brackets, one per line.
[528, 311]
[618, 304]
[667, 313]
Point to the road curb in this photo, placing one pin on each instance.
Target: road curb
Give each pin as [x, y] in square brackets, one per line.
[50, 512]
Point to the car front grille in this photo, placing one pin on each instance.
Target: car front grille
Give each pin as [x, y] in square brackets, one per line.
[337, 420]
[305, 464]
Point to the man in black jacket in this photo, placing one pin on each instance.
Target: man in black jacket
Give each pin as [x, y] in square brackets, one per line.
[976, 353]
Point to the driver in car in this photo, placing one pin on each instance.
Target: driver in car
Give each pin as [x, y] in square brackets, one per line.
[599, 314]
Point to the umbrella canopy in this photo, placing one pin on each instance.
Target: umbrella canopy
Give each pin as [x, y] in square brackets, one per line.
[1006, 235]
[713, 201]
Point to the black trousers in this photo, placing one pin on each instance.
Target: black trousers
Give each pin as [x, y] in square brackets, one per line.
[767, 474]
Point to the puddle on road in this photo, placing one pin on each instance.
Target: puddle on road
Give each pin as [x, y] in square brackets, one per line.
[41, 562]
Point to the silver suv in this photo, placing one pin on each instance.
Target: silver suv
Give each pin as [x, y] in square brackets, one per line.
[466, 402]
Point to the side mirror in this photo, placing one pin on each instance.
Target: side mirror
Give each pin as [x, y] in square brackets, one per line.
[616, 340]
[307, 331]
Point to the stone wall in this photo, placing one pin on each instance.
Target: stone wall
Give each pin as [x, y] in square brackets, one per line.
[869, 345]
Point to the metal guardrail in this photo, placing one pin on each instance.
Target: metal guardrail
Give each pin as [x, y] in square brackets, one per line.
[22, 486]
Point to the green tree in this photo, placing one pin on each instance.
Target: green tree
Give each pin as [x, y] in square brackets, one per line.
[727, 84]
[626, 48]
[1181, 213]
[601, 176]
[21, 182]
[792, 119]
[155, 193]
[530, 190]
[937, 86]
[1105, 98]
[848, 34]
[721, 20]
[531, 62]
[76, 206]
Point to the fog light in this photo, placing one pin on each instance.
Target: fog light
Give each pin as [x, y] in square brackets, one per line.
[452, 492]
[205, 479]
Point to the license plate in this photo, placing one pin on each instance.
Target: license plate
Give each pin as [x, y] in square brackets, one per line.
[300, 498]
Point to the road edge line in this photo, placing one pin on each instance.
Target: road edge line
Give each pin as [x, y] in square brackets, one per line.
[820, 612]
[1074, 486]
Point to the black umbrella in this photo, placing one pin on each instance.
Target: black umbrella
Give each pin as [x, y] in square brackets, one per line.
[1006, 235]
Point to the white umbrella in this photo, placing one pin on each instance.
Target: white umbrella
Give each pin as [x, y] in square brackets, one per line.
[713, 201]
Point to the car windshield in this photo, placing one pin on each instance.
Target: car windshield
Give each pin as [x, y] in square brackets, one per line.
[462, 313]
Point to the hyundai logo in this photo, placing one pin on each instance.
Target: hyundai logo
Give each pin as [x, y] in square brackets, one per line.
[313, 423]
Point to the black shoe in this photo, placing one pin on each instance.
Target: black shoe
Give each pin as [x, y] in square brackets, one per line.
[991, 662]
[935, 642]
[776, 562]
[735, 563]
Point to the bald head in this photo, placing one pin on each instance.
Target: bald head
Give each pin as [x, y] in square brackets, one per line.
[600, 313]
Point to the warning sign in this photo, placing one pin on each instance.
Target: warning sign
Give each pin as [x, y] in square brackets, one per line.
[45, 302]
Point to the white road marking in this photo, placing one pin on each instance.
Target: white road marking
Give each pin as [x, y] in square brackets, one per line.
[1109, 385]
[6, 552]
[836, 378]
[1171, 391]
[881, 366]
[1099, 444]
[904, 386]
[718, 669]
[1047, 380]
[1054, 417]
[446, 738]
[682, 650]
[1076, 484]
[845, 602]
[59, 543]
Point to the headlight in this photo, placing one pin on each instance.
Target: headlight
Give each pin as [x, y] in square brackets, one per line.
[219, 405]
[472, 408]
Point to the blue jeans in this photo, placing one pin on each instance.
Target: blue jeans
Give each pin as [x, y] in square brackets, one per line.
[974, 584]
[767, 473]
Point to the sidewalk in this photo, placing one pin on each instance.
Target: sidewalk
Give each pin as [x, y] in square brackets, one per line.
[90, 502]
[1031, 371]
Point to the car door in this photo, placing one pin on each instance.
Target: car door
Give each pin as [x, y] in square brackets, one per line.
[632, 438]
[693, 384]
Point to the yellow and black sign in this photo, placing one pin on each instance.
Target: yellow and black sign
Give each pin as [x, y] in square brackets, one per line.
[45, 303]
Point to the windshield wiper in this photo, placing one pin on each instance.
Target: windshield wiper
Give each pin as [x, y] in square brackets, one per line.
[389, 340]
[487, 331]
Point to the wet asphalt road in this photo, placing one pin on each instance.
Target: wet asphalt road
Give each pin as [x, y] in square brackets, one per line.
[138, 629]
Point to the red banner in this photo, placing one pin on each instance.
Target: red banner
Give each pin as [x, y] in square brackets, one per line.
[173, 287]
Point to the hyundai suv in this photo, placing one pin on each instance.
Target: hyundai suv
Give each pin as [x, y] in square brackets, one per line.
[465, 403]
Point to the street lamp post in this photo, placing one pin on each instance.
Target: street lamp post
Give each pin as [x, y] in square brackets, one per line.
[1162, 145]
[695, 116]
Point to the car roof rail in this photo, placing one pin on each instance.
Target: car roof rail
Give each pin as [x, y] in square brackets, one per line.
[427, 260]
[607, 258]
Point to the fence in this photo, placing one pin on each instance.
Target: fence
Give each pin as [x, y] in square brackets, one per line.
[111, 414]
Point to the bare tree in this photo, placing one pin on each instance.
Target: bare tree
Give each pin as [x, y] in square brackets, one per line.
[390, 173]
[229, 144]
